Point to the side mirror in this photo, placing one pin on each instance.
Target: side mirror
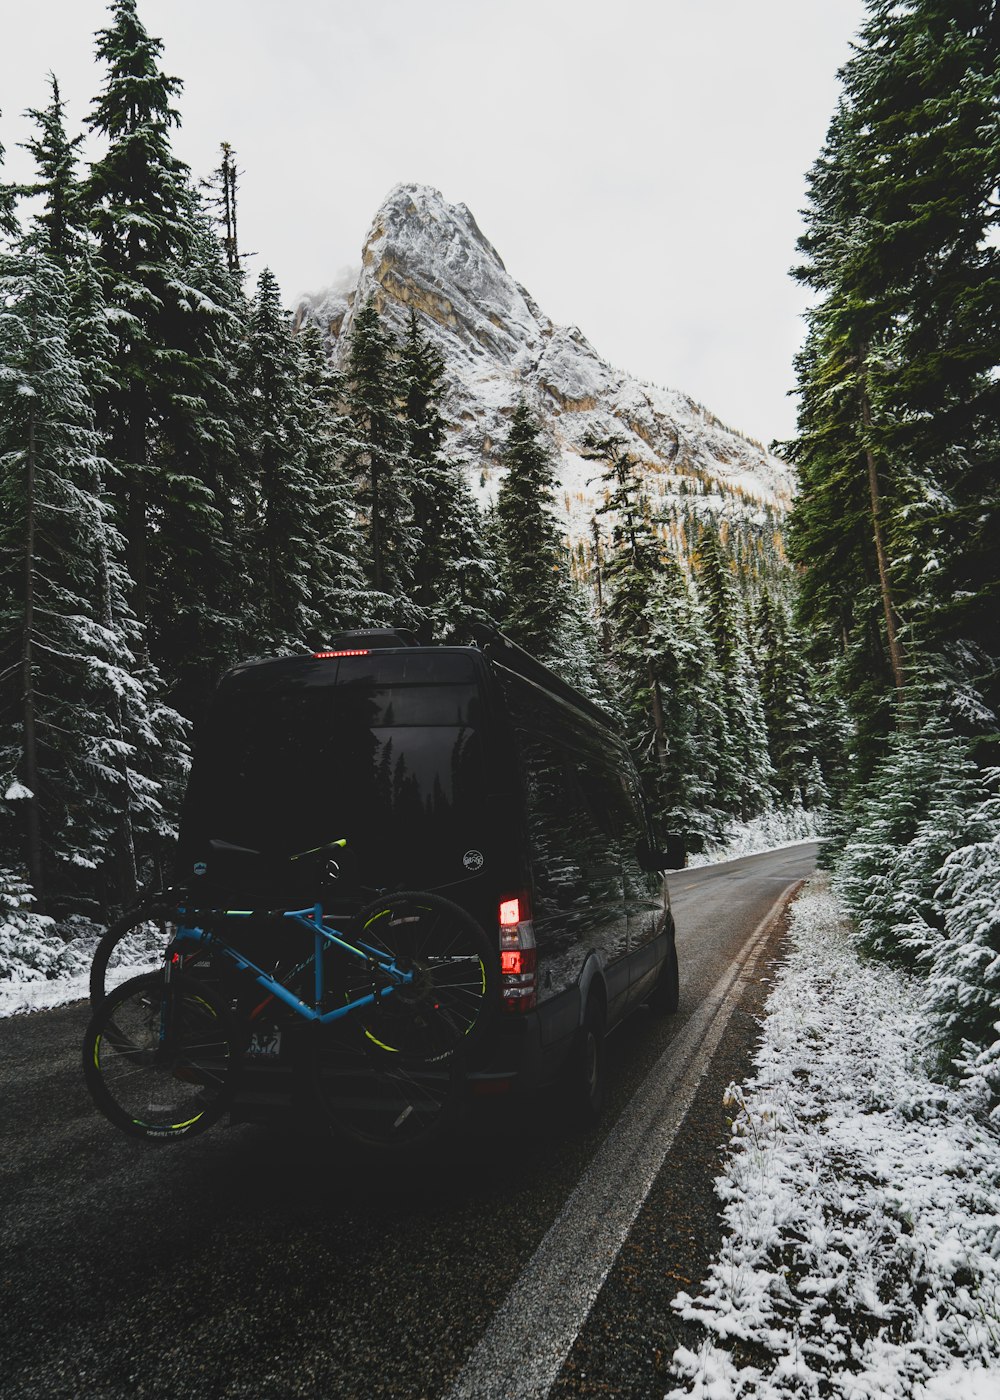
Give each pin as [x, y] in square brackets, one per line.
[674, 853]
[672, 857]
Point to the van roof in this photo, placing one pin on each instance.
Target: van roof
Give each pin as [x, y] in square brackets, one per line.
[488, 641]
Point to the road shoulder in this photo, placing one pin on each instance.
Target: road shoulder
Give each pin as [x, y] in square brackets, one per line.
[628, 1342]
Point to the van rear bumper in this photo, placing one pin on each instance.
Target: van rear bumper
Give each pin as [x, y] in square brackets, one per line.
[522, 1053]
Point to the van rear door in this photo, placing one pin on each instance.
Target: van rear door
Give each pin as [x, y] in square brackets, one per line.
[386, 749]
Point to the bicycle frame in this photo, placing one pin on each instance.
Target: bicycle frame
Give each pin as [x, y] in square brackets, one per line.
[312, 919]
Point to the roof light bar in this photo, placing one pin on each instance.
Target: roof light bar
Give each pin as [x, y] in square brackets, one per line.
[322, 655]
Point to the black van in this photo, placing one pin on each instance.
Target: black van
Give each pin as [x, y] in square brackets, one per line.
[473, 771]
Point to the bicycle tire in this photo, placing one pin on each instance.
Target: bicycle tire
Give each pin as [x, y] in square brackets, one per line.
[140, 937]
[155, 1089]
[455, 988]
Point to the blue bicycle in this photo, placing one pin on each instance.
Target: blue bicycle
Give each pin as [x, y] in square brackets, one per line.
[391, 1009]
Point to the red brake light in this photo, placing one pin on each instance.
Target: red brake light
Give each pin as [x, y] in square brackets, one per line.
[510, 913]
[322, 655]
[518, 957]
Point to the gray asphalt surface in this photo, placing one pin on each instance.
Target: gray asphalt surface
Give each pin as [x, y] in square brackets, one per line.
[254, 1263]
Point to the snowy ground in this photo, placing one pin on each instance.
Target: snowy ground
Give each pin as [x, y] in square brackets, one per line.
[860, 1197]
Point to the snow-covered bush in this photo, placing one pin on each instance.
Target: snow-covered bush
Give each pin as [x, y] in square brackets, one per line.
[33, 947]
[778, 826]
[920, 873]
[922, 806]
[963, 989]
[29, 946]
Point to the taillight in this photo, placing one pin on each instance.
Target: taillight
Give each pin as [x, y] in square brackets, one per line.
[322, 655]
[518, 957]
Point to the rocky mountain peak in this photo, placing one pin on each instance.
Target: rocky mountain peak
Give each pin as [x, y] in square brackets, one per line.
[424, 254]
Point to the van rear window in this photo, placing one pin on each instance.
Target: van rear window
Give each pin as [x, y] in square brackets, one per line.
[393, 763]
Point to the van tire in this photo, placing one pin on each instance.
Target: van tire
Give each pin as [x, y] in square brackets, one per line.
[587, 1070]
[666, 995]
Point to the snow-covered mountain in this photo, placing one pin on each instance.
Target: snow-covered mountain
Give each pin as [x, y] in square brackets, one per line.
[498, 346]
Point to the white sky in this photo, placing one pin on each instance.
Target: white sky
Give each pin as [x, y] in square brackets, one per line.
[638, 164]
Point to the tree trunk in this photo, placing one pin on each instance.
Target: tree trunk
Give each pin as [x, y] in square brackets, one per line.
[662, 747]
[895, 649]
[127, 872]
[595, 535]
[36, 868]
[133, 455]
[232, 237]
[376, 528]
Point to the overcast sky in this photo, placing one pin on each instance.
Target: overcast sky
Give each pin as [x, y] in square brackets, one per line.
[638, 164]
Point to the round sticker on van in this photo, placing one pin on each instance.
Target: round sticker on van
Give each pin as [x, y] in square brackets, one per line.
[473, 860]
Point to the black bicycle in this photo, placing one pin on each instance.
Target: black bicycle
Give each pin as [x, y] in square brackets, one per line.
[392, 1007]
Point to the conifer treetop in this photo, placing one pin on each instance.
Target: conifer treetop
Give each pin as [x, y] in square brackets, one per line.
[60, 221]
[139, 191]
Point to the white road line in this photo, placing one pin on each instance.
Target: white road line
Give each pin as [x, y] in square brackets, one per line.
[531, 1333]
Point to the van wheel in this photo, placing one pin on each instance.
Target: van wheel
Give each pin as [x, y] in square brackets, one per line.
[587, 1078]
[666, 995]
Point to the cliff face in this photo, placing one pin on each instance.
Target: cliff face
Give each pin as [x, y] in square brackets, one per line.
[498, 346]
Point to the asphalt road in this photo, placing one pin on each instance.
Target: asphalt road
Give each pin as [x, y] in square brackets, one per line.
[248, 1263]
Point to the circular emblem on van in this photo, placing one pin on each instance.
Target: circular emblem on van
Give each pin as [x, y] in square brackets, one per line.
[473, 860]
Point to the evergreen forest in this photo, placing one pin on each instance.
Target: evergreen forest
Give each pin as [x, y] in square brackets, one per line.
[189, 480]
[895, 525]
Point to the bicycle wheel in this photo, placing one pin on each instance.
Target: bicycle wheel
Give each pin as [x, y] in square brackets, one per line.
[136, 941]
[377, 1099]
[161, 1060]
[453, 994]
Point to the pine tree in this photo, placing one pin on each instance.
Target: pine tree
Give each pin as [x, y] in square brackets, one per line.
[221, 191]
[293, 571]
[897, 443]
[139, 206]
[196, 623]
[533, 561]
[794, 721]
[169, 413]
[694, 713]
[376, 457]
[662, 656]
[632, 565]
[61, 219]
[346, 601]
[80, 727]
[926, 83]
[454, 576]
[718, 590]
[745, 767]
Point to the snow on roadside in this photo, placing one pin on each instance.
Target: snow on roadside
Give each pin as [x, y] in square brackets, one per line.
[859, 1199]
[18, 998]
[44, 964]
[41, 994]
[771, 831]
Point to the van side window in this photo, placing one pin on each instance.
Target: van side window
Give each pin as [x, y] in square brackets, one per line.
[574, 824]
